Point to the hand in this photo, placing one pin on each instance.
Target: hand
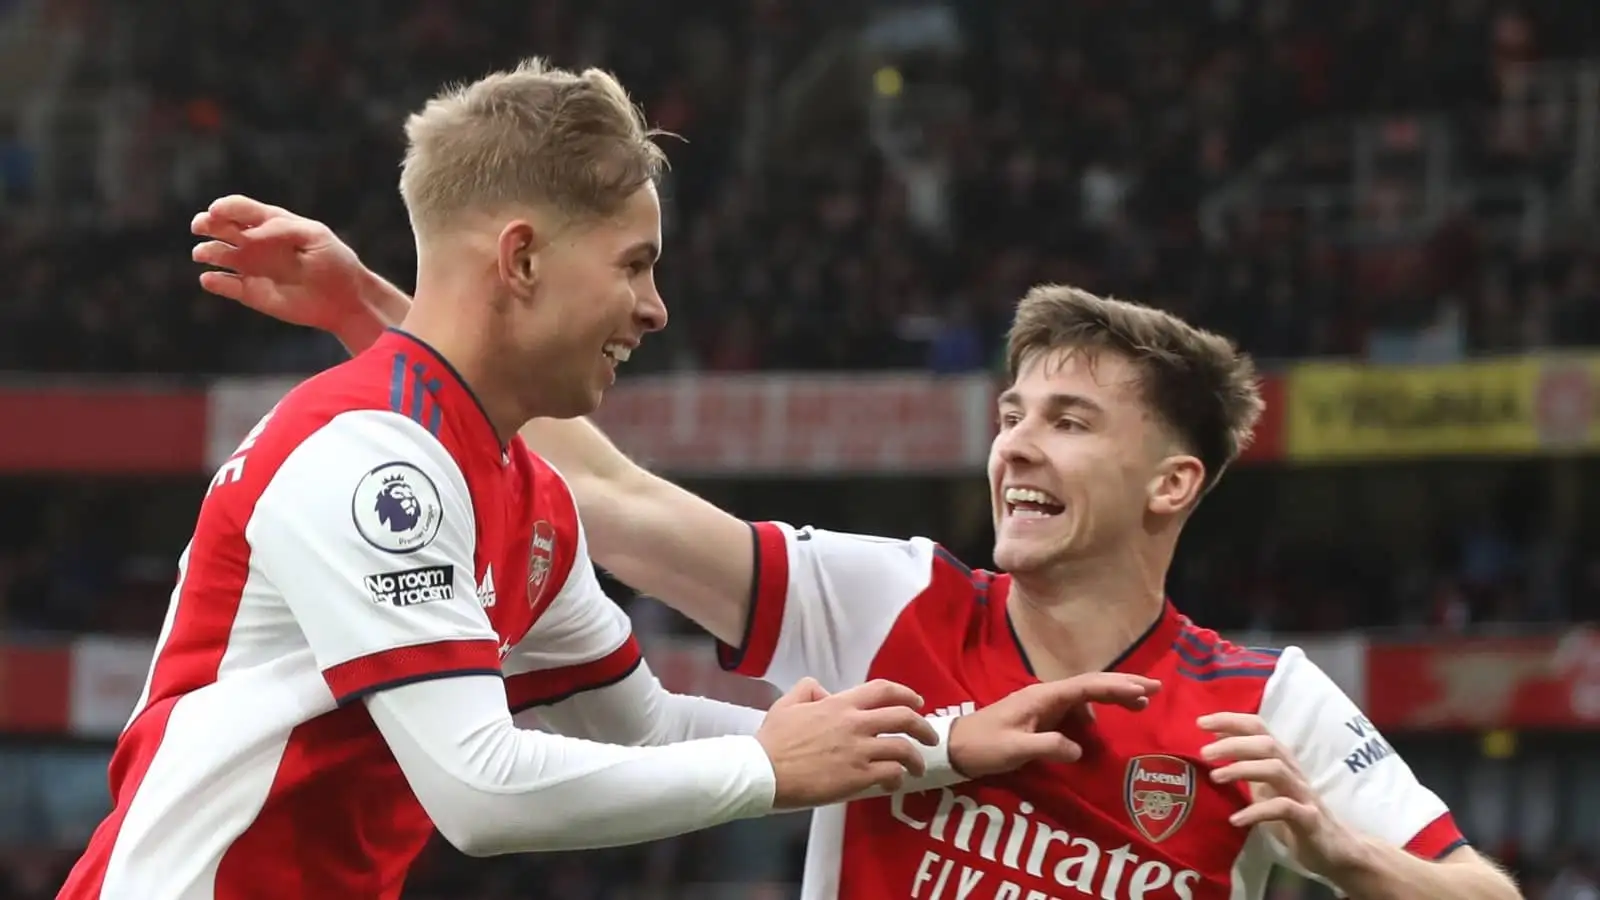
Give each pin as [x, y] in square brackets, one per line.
[287, 266]
[1283, 799]
[1027, 725]
[825, 748]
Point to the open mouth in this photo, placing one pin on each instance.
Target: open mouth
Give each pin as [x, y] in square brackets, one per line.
[616, 351]
[1031, 503]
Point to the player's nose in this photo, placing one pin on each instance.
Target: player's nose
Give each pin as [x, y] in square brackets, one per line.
[1017, 446]
[652, 310]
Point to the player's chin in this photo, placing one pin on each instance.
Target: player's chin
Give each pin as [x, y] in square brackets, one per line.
[1020, 555]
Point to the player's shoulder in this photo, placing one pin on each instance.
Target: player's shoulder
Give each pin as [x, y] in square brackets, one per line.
[345, 420]
[926, 575]
[1228, 674]
[352, 386]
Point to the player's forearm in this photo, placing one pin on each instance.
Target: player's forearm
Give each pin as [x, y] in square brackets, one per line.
[492, 788]
[637, 711]
[687, 718]
[1385, 872]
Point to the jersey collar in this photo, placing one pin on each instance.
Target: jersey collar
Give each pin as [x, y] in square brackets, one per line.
[454, 395]
[1139, 657]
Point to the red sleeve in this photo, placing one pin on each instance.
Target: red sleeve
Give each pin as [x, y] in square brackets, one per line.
[1437, 839]
[769, 588]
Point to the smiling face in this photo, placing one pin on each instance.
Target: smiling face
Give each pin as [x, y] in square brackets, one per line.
[547, 175]
[1079, 461]
[584, 300]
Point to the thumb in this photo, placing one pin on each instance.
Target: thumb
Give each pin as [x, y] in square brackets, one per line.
[1051, 746]
[807, 690]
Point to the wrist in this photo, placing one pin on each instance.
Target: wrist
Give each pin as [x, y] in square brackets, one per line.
[380, 300]
[1365, 860]
[956, 747]
[374, 305]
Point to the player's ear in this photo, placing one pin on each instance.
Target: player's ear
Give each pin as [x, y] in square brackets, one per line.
[519, 255]
[1176, 485]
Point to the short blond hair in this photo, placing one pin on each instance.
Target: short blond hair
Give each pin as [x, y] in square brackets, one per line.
[534, 136]
[1198, 384]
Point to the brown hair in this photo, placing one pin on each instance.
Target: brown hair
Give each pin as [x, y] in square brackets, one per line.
[1197, 383]
[538, 136]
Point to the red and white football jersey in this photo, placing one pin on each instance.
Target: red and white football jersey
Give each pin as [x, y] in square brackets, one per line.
[370, 532]
[1136, 818]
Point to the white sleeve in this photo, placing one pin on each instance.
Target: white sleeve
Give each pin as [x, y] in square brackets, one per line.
[493, 788]
[579, 671]
[366, 532]
[1360, 778]
[581, 642]
[822, 603]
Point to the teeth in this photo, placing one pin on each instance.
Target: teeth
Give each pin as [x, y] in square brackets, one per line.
[1030, 495]
[1027, 513]
[617, 351]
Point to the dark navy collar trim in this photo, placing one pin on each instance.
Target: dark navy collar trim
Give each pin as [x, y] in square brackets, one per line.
[462, 382]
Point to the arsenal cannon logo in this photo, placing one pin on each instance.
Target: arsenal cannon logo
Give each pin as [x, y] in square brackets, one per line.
[1159, 792]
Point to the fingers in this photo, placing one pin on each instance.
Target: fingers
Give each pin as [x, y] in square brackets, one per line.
[217, 227]
[1051, 746]
[878, 694]
[216, 253]
[1257, 759]
[807, 690]
[900, 720]
[248, 212]
[223, 284]
[1277, 809]
[903, 753]
[1232, 723]
[1276, 774]
[1249, 746]
[1130, 691]
[887, 775]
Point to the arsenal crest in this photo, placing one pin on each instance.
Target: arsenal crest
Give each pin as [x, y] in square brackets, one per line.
[541, 558]
[1159, 792]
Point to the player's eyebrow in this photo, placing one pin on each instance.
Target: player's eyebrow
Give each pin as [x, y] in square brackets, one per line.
[650, 250]
[1056, 403]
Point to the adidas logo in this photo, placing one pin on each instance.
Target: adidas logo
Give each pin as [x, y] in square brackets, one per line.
[960, 709]
[486, 596]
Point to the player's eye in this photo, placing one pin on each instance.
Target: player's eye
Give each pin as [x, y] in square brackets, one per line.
[1009, 419]
[1071, 424]
[638, 267]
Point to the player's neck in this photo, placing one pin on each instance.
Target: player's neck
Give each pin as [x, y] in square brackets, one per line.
[466, 343]
[1079, 617]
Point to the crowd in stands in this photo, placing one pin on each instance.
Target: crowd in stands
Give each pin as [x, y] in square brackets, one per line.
[1083, 139]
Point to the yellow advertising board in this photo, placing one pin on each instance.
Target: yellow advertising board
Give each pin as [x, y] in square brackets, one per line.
[1342, 411]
